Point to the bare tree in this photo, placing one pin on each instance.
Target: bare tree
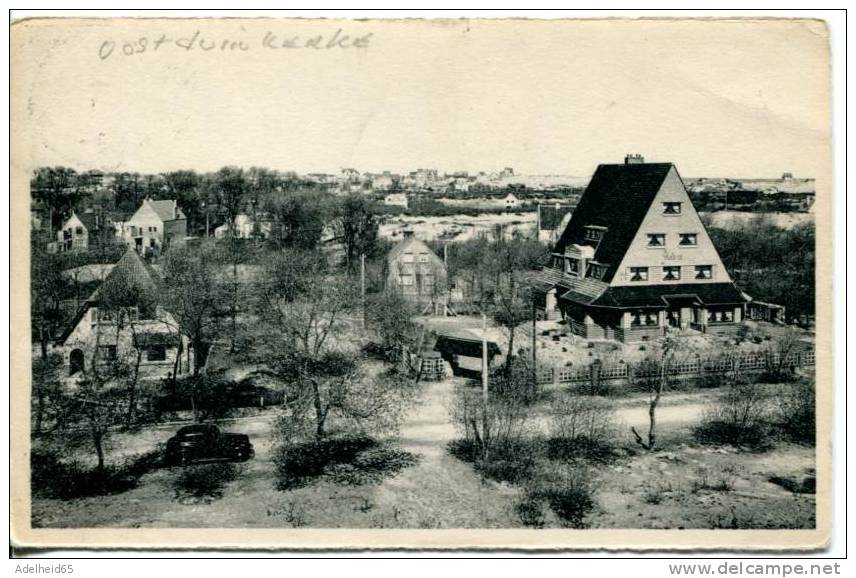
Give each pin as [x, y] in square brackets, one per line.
[656, 381]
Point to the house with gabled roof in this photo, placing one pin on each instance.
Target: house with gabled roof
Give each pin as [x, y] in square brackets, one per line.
[416, 272]
[79, 231]
[154, 226]
[635, 259]
[123, 320]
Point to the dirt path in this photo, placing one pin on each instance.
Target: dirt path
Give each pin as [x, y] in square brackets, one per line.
[442, 491]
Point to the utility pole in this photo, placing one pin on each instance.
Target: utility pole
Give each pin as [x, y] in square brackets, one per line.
[534, 344]
[363, 285]
[484, 357]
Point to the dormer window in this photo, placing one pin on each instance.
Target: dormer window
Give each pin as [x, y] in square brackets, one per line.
[656, 239]
[689, 239]
[594, 233]
[596, 270]
[572, 266]
[672, 208]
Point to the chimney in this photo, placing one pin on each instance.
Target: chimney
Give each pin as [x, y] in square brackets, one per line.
[633, 160]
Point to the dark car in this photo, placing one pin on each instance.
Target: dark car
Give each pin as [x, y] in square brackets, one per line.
[206, 443]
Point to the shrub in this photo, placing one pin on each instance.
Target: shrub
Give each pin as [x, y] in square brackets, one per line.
[581, 426]
[719, 480]
[490, 425]
[530, 512]
[53, 478]
[808, 485]
[205, 480]
[795, 415]
[512, 462]
[740, 417]
[568, 490]
[346, 459]
[297, 464]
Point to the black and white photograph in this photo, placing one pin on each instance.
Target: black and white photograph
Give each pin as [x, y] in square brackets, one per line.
[301, 283]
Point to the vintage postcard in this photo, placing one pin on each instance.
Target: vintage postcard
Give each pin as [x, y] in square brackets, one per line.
[421, 284]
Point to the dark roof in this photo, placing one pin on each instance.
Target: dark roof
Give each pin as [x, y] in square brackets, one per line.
[454, 345]
[660, 296]
[167, 210]
[130, 265]
[140, 275]
[618, 197]
[552, 215]
[88, 220]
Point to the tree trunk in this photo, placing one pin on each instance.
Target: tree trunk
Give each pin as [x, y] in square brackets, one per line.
[234, 311]
[320, 413]
[39, 387]
[197, 357]
[132, 390]
[510, 352]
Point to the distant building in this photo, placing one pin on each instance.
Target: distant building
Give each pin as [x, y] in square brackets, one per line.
[415, 271]
[155, 225]
[98, 336]
[635, 259]
[787, 176]
[79, 231]
[424, 178]
[396, 200]
[245, 227]
[382, 182]
[506, 173]
[461, 184]
[511, 201]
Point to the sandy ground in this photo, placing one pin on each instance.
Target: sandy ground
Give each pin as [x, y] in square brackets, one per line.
[640, 489]
[732, 219]
[457, 227]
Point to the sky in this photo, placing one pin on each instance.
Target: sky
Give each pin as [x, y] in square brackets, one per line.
[717, 98]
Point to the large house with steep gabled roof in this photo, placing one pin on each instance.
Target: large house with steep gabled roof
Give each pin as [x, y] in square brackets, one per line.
[153, 226]
[635, 259]
[123, 321]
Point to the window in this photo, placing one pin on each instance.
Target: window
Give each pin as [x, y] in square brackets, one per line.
[78, 230]
[656, 239]
[689, 239]
[726, 316]
[572, 266]
[594, 233]
[596, 271]
[640, 318]
[639, 273]
[406, 279]
[671, 208]
[423, 257]
[671, 273]
[108, 352]
[703, 271]
[156, 353]
[408, 258]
